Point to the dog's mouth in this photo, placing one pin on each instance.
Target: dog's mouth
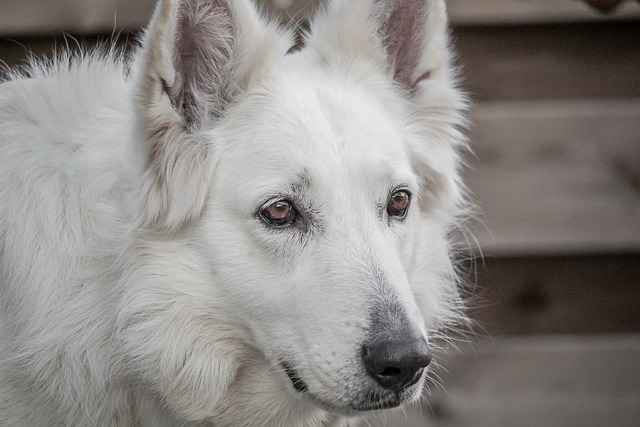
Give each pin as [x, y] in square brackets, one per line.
[374, 402]
[377, 405]
[298, 384]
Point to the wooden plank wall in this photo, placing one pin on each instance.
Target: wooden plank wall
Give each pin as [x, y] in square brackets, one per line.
[558, 381]
[557, 176]
[568, 61]
[571, 294]
[518, 12]
[556, 135]
[557, 299]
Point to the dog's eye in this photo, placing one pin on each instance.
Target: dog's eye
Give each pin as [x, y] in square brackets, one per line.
[399, 204]
[280, 213]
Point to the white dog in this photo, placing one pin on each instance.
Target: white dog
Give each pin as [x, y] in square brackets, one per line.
[225, 232]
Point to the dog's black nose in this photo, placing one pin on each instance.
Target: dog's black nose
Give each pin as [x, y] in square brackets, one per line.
[396, 365]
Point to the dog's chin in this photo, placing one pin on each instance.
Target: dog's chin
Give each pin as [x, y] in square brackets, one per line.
[359, 408]
[376, 400]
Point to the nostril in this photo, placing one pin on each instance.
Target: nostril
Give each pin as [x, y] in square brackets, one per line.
[365, 351]
[390, 372]
[424, 360]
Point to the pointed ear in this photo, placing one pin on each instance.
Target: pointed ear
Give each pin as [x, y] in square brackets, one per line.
[406, 37]
[407, 40]
[198, 57]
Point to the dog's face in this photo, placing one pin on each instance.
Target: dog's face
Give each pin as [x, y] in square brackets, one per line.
[319, 187]
[315, 228]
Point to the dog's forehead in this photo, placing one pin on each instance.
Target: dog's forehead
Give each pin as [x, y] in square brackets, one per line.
[317, 125]
[325, 116]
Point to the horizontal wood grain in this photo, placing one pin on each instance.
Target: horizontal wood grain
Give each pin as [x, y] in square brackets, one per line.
[573, 294]
[556, 177]
[37, 17]
[550, 61]
[492, 12]
[543, 381]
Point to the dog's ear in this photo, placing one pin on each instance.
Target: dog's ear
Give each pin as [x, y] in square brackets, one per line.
[408, 38]
[198, 57]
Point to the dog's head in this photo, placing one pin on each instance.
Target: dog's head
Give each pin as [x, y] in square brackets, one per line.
[300, 202]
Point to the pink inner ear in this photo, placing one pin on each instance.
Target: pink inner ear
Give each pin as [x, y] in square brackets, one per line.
[405, 33]
[202, 53]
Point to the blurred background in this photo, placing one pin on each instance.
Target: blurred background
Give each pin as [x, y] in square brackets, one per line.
[556, 173]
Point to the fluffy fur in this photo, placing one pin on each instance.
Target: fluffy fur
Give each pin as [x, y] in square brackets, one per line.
[137, 285]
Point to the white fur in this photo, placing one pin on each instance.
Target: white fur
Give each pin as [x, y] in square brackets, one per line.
[137, 287]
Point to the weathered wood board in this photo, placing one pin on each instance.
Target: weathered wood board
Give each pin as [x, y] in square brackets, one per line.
[545, 381]
[556, 177]
[491, 12]
[555, 295]
[577, 61]
[33, 17]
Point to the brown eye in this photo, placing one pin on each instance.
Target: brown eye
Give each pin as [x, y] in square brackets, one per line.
[278, 214]
[399, 204]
